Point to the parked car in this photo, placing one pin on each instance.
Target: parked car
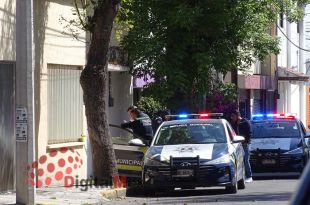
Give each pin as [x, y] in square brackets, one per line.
[278, 144]
[189, 153]
[129, 152]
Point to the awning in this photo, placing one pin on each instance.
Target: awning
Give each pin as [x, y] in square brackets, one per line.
[288, 74]
[256, 82]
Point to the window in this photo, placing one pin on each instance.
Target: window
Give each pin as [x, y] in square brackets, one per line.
[191, 134]
[121, 136]
[231, 132]
[258, 67]
[281, 20]
[281, 129]
[298, 27]
[65, 104]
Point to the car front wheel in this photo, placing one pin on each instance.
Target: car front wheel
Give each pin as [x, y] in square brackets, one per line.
[149, 191]
[233, 189]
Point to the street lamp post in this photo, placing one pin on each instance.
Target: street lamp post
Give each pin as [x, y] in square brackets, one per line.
[25, 140]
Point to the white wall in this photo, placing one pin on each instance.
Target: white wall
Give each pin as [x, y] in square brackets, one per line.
[295, 100]
[290, 91]
[283, 51]
[307, 30]
[122, 94]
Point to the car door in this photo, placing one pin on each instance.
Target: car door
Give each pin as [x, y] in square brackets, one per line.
[238, 150]
[128, 156]
[304, 139]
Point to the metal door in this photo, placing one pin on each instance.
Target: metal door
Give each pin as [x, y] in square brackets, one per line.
[7, 137]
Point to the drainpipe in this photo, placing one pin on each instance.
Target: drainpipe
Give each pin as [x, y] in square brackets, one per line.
[289, 65]
[302, 69]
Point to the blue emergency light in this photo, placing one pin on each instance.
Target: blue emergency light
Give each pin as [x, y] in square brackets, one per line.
[195, 116]
[273, 116]
[183, 116]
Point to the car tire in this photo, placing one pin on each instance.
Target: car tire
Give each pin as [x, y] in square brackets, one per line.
[148, 191]
[233, 189]
[166, 189]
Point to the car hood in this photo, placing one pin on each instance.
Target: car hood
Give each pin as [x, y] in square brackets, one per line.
[275, 143]
[204, 151]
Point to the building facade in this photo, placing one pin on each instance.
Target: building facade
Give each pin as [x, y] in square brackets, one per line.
[291, 64]
[59, 109]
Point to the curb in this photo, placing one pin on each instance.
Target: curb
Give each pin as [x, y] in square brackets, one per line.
[114, 193]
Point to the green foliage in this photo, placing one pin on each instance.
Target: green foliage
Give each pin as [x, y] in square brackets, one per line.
[228, 90]
[181, 43]
[150, 106]
[222, 99]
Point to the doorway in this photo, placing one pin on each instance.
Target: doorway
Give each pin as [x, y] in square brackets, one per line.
[7, 136]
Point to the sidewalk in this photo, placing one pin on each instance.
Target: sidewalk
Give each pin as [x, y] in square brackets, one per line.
[61, 195]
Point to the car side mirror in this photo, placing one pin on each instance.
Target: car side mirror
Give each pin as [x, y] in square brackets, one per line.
[238, 139]
[307, 135]
[136, 142]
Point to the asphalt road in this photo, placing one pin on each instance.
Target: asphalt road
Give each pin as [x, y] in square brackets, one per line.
[260, 192]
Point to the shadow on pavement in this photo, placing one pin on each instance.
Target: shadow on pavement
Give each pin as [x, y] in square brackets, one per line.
[273, 177]
[207, 195]
[138, 192]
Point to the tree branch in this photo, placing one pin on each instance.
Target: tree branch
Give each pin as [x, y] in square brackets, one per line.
[84, 25]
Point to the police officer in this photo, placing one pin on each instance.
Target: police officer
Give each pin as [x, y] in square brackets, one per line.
[161, 117]
[141, 124]
[243, 128]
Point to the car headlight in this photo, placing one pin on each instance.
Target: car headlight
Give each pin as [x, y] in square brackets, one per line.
[153, 162]
[221, 160]
[295, 151]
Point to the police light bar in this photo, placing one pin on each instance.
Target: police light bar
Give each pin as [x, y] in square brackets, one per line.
[273, 116]
[195, 116]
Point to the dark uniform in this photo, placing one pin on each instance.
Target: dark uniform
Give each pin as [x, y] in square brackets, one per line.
[142, 126]
[243, 128]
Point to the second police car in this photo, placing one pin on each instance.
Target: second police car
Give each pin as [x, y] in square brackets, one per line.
[278, 144]
[189, 153]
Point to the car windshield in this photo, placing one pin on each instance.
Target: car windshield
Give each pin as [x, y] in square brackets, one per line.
[191, 134]
[285, 129]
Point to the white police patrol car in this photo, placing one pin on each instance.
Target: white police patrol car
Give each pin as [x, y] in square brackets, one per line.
[194, 151]
[279, 144]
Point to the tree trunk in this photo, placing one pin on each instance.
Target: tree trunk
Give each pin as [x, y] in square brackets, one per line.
[93, 81]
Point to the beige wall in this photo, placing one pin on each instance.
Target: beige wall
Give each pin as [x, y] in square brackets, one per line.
[52, 46]
[7, 30]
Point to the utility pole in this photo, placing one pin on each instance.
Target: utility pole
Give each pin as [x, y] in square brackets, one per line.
[25, 139]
